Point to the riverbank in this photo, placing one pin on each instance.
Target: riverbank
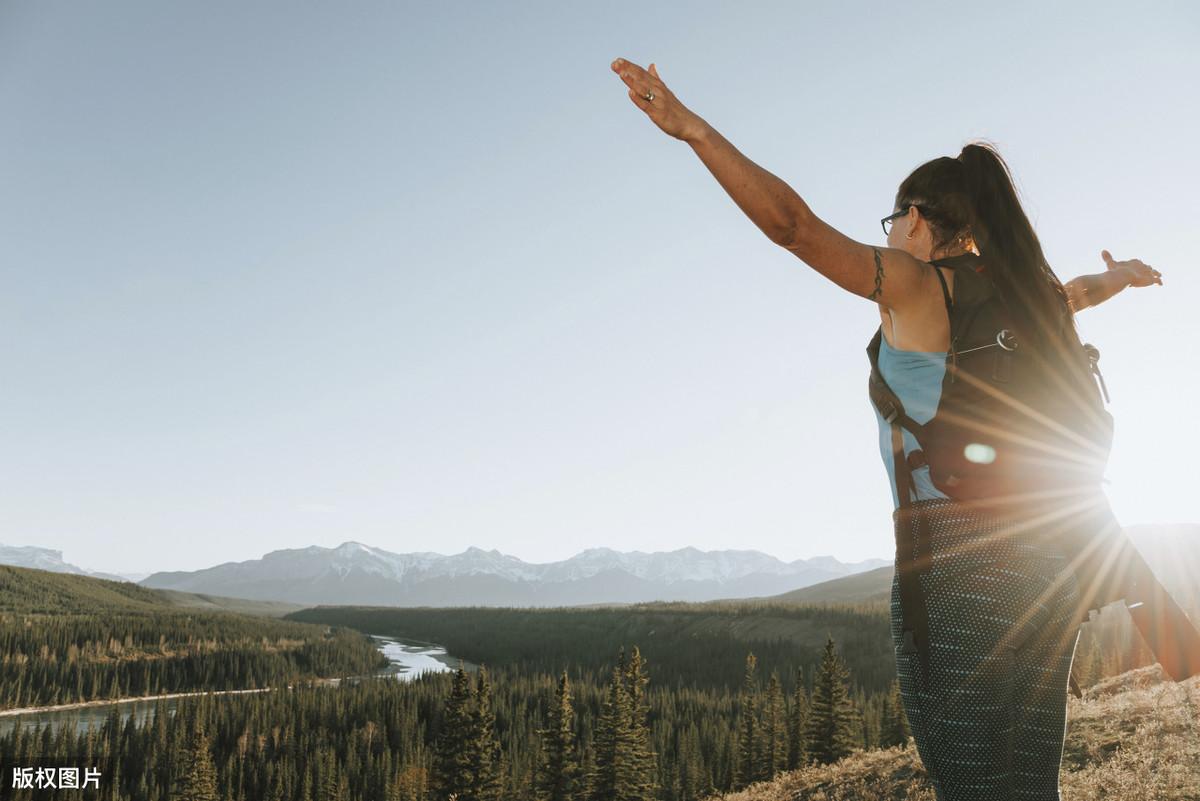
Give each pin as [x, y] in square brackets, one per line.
[30, 710]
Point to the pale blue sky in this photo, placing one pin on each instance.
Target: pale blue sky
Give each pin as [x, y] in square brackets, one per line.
[421, 275]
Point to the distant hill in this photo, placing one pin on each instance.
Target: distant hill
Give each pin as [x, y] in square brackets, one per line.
[869, 587]
[32, 590]
[1172, 551]
[1134, 737]
[358, 574]
[218, 603]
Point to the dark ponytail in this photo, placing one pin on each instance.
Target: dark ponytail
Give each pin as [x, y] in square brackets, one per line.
[1008, 245]
[971, 200]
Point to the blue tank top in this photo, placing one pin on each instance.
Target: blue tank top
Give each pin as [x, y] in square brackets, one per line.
[916, 378]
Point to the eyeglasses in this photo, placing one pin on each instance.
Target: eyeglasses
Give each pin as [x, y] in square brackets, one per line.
[886, 222]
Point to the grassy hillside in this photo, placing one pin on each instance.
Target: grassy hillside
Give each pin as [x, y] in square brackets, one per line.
[1134, 737]
[242, 606]
[872, 586]
[26, 589]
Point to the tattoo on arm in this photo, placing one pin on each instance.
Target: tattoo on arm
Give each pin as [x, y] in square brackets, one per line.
[878, 275]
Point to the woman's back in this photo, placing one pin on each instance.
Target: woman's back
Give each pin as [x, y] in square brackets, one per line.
[914, 375]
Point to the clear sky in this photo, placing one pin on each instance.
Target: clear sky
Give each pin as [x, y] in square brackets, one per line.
[421, 275]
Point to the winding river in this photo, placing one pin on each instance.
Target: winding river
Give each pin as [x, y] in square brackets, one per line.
[407, 659]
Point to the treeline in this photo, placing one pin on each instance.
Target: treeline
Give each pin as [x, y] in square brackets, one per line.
[58, 659]
[608, 734]
[701, 646]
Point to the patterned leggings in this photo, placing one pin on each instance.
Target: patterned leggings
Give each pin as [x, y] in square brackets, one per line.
[990, 721]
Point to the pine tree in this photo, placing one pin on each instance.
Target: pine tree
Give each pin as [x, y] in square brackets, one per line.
[642, 766]
[609, 741]
[1095, 667]
[332, 784]
[798, 724]
[485, 756]
[558, 771]
[893, 727]
[773, 754]
[832, 721]
[199, 780]
[746, 769]
[452, 753]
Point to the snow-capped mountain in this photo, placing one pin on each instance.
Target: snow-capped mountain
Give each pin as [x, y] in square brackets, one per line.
[354, 573]
[46, 559]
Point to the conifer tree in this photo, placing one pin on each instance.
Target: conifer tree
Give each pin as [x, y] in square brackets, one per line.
[610, 741]
[642, 783]
[773, 753]
[832, 721]
[333, 785]
[452, 753]
[558, 770]
[306, 786]
[798, 724]
[747, 768]
[1095, 667]
[276, 791]
[487, 767]
[864, 737]
[587, 770]
[893, 727]
[199, 780]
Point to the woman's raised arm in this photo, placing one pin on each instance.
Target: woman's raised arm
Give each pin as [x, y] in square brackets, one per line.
[885, 275]
[1092, 290]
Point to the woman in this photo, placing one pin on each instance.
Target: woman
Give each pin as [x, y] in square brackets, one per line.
[987, 701]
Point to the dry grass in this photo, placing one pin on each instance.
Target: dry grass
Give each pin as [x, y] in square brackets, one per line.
[1133, 737]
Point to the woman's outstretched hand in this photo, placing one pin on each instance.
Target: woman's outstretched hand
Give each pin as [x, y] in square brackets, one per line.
[664, 110]
[1140, 274]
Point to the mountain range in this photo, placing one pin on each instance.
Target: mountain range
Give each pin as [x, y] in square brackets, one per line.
[354, 573]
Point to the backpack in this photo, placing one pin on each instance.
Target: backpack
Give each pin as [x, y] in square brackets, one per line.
[1014, 422]
[1011, 421]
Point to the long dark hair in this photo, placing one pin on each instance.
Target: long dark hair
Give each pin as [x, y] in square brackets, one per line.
[971, 200]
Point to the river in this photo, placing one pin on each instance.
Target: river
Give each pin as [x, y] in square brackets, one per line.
[407, 659]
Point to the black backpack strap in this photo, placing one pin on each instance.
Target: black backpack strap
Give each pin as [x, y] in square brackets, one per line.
[945, 292]
[906, 485]
[953, 263]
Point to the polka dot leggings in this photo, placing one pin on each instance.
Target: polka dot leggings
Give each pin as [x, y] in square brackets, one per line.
[989, 719]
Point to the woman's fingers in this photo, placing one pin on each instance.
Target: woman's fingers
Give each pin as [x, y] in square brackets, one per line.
[1143, 274]
[636, 78]
[665, 110]
[639, 82]
[639, 100]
